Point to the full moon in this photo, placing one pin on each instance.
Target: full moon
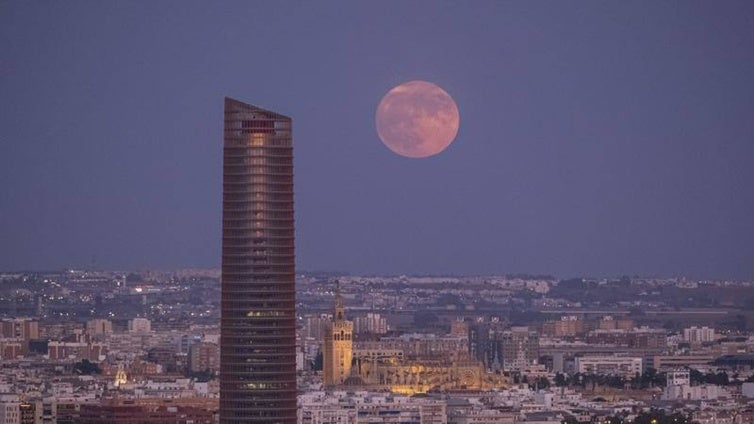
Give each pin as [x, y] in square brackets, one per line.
[417, 119]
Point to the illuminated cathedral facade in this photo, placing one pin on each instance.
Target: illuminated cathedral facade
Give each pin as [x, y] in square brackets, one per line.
[406, 365]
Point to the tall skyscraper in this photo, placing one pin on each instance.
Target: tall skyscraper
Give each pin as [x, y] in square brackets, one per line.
[258, 329]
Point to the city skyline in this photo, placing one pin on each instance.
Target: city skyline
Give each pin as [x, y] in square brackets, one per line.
[603, 139]
[497, 212]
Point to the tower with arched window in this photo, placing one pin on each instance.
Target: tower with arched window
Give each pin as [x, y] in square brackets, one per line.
[338, 346]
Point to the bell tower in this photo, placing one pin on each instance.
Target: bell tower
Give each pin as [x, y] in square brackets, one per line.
[338, 345]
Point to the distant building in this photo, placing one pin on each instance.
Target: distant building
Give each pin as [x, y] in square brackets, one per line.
[422, 346]
[459, 329]
[747, 390]
[609, 322]
[343, 408]
[372, 323]
[679, 387]
[91, 351]
[20, 328]
[125, 413]
[609, 365]
[520, 348]
[139, 325]
[678, 377]
[338, 346]
[9, 409]
[642, 338]
[485, 342]
[99, 327]
[12, 349]
[567, 326]
[38, 411]
[699, 334]
[316, 326]
[665, 362]
[30, 412]
[204, 357]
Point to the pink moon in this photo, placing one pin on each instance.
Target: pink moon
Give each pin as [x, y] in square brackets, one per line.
[417, 119]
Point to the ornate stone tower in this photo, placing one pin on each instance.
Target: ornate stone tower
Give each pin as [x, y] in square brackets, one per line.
[338, 351]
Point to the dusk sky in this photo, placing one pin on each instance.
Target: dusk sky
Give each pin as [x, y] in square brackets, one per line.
[596, 137]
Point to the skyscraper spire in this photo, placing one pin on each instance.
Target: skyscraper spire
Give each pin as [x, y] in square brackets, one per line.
[339, 313]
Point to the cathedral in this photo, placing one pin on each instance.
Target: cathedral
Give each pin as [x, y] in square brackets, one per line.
[387, 368]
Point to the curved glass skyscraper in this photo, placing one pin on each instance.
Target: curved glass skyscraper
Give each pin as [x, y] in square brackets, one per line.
[258, 329]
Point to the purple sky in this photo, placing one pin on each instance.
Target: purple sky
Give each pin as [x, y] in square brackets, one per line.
[597, 137]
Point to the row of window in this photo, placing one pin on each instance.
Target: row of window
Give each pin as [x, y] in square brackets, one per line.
[233, 279]
[269, 151]
[341, 336]
[258, 179]
[257, 196]
[257, 123]
[243, 306]
[239, 233]
[236, 241]
[259, 170]
[258, 203]
[260, 301]
[277, 350]
[258, 186]
[241, 211]
[258, 160]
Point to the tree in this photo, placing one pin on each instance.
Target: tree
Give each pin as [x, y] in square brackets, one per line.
[651, 378]
[201, 376]
[85, 367]
[318, 362]
[719, 379]
[560, 380]
[658, 416]
[540, 383]
[695, 376]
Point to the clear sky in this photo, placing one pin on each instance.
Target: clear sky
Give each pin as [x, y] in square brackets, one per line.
[596, 137]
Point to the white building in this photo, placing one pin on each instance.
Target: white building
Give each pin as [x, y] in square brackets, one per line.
[139, 325]
[363, 407]
[679, 388]
[609, 365]
[10, 412]
[747, 389]
[699, 334]
[371, 323]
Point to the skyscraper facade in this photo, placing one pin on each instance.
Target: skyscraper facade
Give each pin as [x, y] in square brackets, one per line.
[258, 328]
